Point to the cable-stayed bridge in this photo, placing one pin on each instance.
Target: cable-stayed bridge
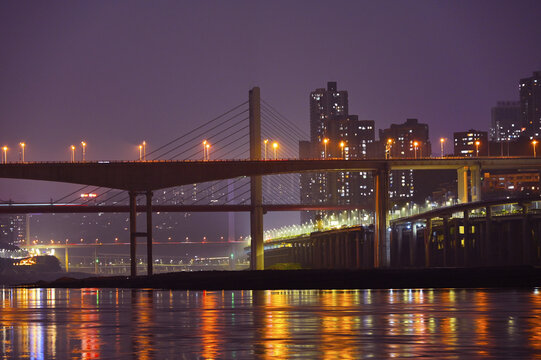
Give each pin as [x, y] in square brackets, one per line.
[203, 156]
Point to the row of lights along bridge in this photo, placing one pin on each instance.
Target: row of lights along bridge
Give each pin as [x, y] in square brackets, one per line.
[206, 149]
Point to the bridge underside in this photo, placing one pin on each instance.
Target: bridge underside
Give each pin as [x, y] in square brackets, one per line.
[154, 175]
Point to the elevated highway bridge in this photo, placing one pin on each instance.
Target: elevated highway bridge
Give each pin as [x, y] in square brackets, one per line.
[143, 177]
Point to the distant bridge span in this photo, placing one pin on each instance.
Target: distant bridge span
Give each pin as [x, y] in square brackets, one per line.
[85, 209]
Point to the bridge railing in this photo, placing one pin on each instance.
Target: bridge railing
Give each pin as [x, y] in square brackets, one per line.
[327, 222]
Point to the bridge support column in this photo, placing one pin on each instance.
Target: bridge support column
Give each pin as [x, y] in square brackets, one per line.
[149, 232]
[462, 177]
[357, 251]
[525, 230]
[256, 187]
[467, 238]
[413, 245]
[133, 231]
[475, 175]
[134, 234]
[428, 242]
[446, 240]
[381, 216]
[487, 252]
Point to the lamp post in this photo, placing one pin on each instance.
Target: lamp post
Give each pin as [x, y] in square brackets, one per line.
[325, 141]
[388, 148]
[415, 146]
[477, 143]
[275, 147]
[140, 152]
[84, 150]
[208, 151]
[534, 144]
[342, 144]
[442, 141]
[72, 147]
[144, 150]
[266, 141]
[23, 145]
[5, 148]
[204, 150]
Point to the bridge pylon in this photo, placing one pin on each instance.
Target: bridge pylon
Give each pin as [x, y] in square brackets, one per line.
[256, 187]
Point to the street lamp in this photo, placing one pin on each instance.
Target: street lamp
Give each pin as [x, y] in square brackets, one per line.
[534, 143]
[208, 150]
[275, 147]
[388, 148]
[5, 148]
[204, 150]
[325, 141]
[442, 141]
[415, 146]
[22, 150]
[477, 143]
[266, 141]
[342, 144]
[140, 152]
[84, 150]
[144, 150]
[72, 147]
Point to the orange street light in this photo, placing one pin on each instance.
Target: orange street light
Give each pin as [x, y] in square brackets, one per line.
[342, 144]
[415, 146]
[5, 148]
[23, 145]
[208, 151]
[275, 147]
[325, 141]
[534, 144]
[442, 141]
[388, 148]
[266, 141]
[84, 150]
[144, 150]
[140, 152]
[204, 150]
[72, 147]
[477, 143]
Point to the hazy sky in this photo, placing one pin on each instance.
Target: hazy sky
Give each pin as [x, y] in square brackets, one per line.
[117, 72]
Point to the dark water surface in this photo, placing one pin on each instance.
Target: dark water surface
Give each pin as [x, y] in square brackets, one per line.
[310, 324]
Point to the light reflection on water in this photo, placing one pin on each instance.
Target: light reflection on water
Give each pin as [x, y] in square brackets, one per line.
[148, 324]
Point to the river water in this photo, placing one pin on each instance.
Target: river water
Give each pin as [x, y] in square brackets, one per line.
[310, 324]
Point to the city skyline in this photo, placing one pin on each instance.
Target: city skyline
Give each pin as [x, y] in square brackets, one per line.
[77, 72]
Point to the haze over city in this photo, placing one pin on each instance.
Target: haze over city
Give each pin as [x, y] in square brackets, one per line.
[115, 74]
[342, 176]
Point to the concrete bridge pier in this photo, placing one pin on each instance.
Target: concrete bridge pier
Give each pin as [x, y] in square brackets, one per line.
[134, 234]
[469, 190]
[256, 186]
[381, 179]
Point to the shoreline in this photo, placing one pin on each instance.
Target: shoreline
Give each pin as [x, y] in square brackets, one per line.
[479, 277]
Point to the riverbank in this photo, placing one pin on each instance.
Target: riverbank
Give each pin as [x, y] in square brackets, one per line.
[482, 277]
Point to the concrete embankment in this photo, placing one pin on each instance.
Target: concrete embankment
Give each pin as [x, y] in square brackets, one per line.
[483, 277]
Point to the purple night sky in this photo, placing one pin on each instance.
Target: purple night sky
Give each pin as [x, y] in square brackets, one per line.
[115, 73]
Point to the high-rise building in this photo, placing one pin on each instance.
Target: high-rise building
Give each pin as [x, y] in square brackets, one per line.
[407, 140]
[13, 230]
[326, 107]
[530, 104]
[471, 143]
[506, 122]
[334, 133]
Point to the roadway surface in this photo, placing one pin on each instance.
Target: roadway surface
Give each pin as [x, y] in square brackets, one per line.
[153, 175]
